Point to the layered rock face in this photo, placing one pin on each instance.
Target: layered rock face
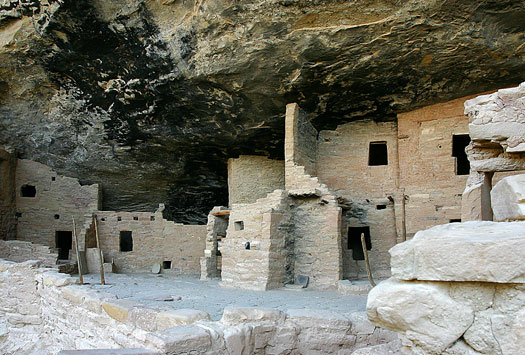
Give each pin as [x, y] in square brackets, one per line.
[160, 93]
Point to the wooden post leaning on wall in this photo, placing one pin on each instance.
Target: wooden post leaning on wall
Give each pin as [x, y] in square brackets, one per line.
[365, 252]
[78, 252]
[102, 279]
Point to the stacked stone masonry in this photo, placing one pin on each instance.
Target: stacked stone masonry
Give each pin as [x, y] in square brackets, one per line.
[332, 183]
[56, 200]
[175, 246]
[42, 311]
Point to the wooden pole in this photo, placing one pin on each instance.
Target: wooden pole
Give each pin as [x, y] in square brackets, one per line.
[102, 280]
[365, 252]
[78, 252]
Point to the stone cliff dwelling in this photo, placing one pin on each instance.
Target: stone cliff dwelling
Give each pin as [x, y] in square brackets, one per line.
[268, 177]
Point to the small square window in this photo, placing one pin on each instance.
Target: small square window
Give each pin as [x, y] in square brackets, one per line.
[119, 218]
[380, 207]
[166, 265]
[239, 225]
[377, 154]
[152, 218]
[18, 214]
[53, 178]
[135, 218]
[57, 216]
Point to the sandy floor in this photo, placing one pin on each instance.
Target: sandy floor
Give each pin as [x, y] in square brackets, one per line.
[208, 296]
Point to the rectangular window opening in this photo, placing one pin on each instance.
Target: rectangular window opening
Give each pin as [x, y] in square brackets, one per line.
[354, 241]
[239, 225]
[166, 265]
[455, 220]
[377, 154]
[64, 243]
[28, 191]
[126, 241]
[459, 143]
[380, 207]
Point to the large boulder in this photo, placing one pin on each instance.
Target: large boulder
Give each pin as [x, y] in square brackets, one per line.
[471, 251]
[423, 312]
[508, 198]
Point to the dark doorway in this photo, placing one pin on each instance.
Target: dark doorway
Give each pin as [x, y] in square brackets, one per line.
[64, 243]
[459, 143]
[378, 154]
[126, 241]
[354, 241]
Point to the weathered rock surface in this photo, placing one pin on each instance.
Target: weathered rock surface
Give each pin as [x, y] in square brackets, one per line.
[507, 198]
[159, 93]
[470, 251]
[423, 312]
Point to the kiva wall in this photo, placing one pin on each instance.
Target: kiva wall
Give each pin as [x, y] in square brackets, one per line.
[57, 199]
[154, 241]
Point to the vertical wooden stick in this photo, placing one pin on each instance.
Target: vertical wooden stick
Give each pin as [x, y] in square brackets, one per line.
[102, 280]
[78, 252]
[365, 252]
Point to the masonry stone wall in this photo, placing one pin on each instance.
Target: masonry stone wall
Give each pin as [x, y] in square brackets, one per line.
[57, 200]
[342, 161]
[7, 195]
[43, 312]
[300, 146]
[155, 240]
[253, 254]
[252, 177]
[427, 167]
[19, 251]
[343, 165]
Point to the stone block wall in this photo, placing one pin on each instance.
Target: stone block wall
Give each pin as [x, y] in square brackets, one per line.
[7, 195]
[57, 200]
[342, 161]
[19, 251]
[427, 174]
[343, 164]
[253, 254]
[252, 177]
[155, 240]
[211, 262]
[43, 312]
[300, 145]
